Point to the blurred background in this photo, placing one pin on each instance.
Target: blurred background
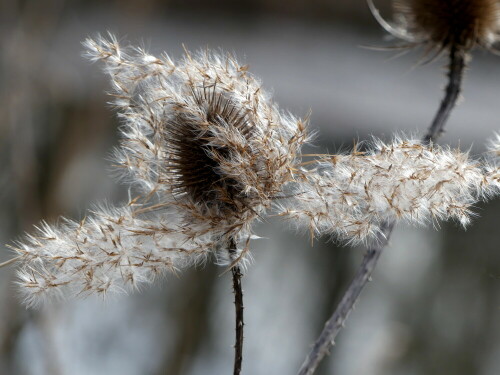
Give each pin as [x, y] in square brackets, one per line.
[434, 305]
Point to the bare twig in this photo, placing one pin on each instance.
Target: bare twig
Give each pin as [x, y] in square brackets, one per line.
[333, 326]
[238, 303]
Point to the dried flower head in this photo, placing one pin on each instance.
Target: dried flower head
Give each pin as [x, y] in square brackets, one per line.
[453, 27]
[443, 24]
[209, 153]
[202, 134]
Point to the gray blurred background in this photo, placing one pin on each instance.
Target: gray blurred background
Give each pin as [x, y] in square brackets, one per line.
[434, 305]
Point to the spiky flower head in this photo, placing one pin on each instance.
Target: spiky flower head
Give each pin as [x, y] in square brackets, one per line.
[201, 134]
[442, 24]
[111, 250]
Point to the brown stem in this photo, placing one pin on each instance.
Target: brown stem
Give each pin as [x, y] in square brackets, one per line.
[336, 322]
[238, 303]
[455, 77]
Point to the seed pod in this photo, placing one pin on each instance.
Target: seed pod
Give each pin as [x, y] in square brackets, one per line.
[443, 24]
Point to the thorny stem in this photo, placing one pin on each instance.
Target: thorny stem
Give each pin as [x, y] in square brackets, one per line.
[333, 326]
[238, 304]
[455, 76]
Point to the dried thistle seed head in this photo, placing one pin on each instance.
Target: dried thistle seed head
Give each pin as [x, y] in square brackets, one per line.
[196, 154]
[442, 24]
[201, 134]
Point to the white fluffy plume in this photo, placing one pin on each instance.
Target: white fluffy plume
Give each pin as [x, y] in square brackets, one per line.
[349, 196]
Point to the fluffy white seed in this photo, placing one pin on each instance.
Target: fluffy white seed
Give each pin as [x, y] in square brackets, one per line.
[349, 196]
[112, 250]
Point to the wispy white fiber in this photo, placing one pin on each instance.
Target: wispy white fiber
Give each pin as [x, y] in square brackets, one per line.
[349, 196]
[111, 250]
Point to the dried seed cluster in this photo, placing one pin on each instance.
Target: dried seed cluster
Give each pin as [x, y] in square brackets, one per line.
[349, 196]
[201, 134]
[442, 24]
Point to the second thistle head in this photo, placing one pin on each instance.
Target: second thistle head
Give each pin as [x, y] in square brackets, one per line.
[443, 24]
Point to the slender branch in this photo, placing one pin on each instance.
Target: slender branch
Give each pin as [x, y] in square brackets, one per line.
[333, 326]
[238, 304]
[455, 77]
[336, 322]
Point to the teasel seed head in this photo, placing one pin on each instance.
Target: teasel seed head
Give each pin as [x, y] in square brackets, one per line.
[203, 149]
[443, 24]
[196, 155]
[200, 134]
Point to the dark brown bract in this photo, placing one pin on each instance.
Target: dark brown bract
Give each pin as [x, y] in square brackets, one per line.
[195, 157]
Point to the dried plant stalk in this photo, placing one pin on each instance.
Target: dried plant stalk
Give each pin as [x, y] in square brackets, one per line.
[336, 321]
[239, 308]
[442, 25]
[456, 70]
